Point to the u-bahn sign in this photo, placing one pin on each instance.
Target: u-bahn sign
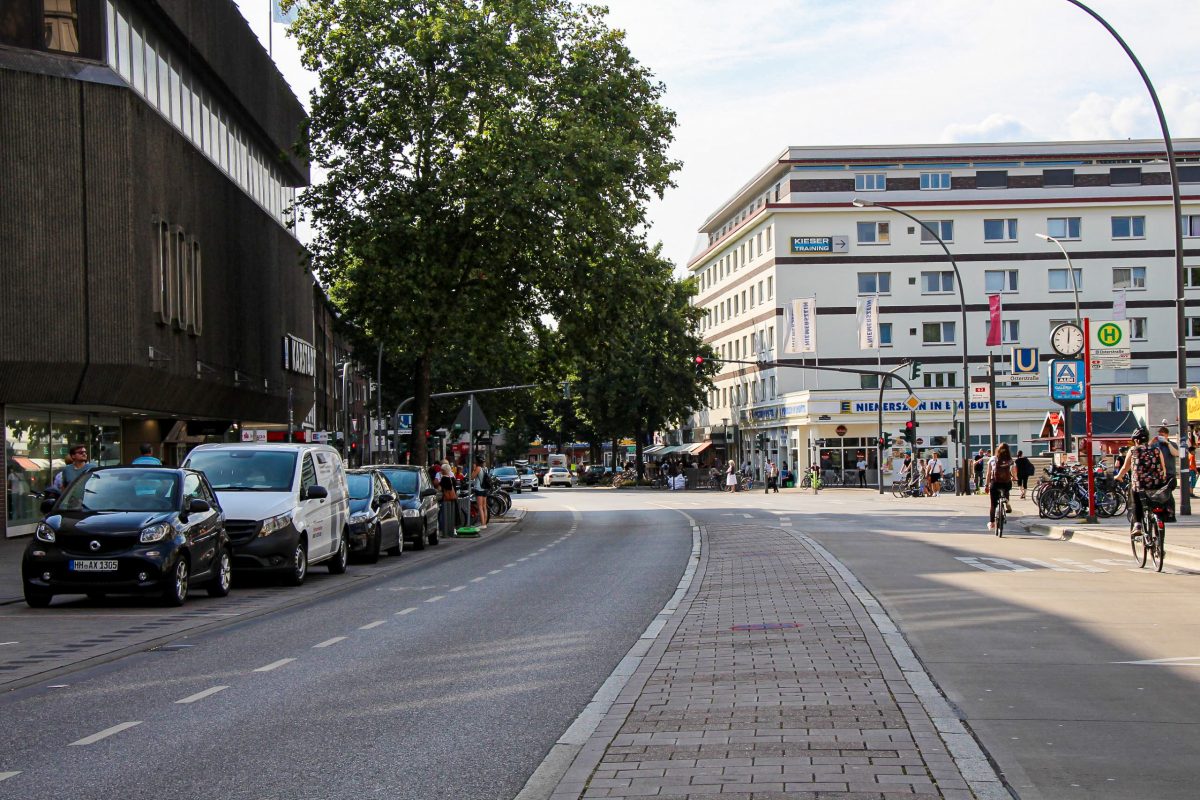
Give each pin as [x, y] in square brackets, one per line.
[1024, 365]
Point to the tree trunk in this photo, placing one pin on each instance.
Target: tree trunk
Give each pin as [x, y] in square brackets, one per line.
[421, 383]
[637, 443]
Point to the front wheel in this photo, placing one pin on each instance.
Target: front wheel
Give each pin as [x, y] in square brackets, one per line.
[298, 570]
[222, 576]
[337, 564]
[1157, 547]
[36, 598]
[176, 591]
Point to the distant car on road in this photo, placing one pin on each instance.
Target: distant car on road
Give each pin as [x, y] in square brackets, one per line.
[507, 478]
[130, 530]
[529, 478]
[558, 476]
[374, 515]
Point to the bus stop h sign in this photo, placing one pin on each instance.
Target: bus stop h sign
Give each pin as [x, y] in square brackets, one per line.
[1108, 345]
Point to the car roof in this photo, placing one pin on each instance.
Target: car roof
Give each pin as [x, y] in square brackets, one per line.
[405, 467]
[145, 468]
[293, 446]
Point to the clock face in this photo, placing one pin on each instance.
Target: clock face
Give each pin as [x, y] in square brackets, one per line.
[1067, 340]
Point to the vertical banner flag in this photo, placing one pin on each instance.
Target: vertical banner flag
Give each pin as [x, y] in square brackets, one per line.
[1119, 311]
[800, 326]
[996, 329]
[868, 323]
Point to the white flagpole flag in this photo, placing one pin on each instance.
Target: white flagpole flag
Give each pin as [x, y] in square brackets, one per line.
[868, 323]
[1119, 311]
[800, 320]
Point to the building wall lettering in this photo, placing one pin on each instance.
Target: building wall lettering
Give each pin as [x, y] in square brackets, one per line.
[177, 279]
[299, 356]
[929, 405]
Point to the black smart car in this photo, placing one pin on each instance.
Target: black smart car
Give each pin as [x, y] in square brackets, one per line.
[374, 515]
[129, 530]
[419, 503]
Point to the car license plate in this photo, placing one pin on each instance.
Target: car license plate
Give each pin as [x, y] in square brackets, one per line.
[93, 566]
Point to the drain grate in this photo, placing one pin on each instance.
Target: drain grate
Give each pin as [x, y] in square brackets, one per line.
[766, 626]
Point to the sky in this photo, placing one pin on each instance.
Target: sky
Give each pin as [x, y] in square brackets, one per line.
[749, 78]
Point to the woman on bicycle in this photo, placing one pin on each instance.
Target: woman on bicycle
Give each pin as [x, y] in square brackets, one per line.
[998, 479]
[1149, 471]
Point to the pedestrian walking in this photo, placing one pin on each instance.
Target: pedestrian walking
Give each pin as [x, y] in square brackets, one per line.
[147, 457]
[772, 478]
[979, 463]
[731, 477]
[77, 465]
[1170, 452]
[933, 468]
[1025, 471]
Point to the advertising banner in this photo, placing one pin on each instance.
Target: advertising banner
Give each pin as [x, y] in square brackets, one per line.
[868, 323]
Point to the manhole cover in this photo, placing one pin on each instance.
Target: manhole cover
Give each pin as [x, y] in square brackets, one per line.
[766, 626]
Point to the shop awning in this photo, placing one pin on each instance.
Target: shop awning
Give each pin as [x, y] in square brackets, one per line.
[1105, 425]
[649, 451]
[697, 448]
[668, 450]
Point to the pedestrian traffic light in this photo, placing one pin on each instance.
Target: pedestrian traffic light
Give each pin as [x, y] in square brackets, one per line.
[914, 370]
[954, 434]
[885, 441]
[910, 431]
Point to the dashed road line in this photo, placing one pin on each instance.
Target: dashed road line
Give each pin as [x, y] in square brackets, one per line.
[191, 698]
[329, 642]
[6, 775]
[275, 665]
[370, 625]
[494, 572]
[510, 564]
[519, 560]
[435, 598]
[408, 610]
[480, 578]
[459, 588]
[104, 734]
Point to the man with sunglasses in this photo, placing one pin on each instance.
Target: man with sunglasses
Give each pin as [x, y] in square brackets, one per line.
[77, 465]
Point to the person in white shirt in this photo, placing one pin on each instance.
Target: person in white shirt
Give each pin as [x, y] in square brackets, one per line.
[862, 471]
[933, 468]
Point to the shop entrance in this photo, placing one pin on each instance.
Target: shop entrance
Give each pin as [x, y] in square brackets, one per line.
[839, 458]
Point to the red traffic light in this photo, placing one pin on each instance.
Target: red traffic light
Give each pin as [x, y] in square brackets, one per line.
[699, 360]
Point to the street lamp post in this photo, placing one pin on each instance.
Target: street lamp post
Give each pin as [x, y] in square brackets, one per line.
[961, 485]
[1185, 504]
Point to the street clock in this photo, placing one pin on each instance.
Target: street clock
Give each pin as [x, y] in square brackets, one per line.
[1067, 339]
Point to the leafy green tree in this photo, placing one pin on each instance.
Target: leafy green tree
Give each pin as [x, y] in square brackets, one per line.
[477, 152]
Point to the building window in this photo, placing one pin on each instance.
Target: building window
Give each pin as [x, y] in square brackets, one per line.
[940, 380]
[937, 333]
[943, 228]
[991, 179]
[1129, 277]
[937, 282]
[870, 182]
[999, 230]
[1010, 331]
[1063, 227]
[873, 232]
[935, 180]
[1137, 329]
[874, 283]
[1060, 281]
[770, 288]
[885, 334]
[1125, 176]
[1191, 225]
[1193, 327]
[1191, 277]
[1000, 281]
[868, 381]
[1057, 178]
[1128, 227]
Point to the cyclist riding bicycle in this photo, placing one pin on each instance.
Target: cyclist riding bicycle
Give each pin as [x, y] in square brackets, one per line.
[1145, 462]
[998, 479]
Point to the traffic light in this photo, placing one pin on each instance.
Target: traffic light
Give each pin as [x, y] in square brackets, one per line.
[910, 431]
[914, 370]
[698, 364]
[885, 441]
[954, 434]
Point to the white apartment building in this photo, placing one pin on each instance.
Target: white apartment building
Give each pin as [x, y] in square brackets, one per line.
[792, 232]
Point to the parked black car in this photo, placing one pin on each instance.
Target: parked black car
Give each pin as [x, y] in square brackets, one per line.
[507, 478]
[418, 501]
[374, 515]
[129, 530]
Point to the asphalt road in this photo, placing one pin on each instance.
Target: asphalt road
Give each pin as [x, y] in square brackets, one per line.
[1030, 638]
[449, 680]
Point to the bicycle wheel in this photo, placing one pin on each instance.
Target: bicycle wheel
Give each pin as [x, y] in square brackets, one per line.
[899, 488]
[1158, 547]
[1141, 548]
[1054, 504]
[1001, 515]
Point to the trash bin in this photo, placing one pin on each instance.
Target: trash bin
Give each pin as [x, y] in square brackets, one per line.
[448, 518]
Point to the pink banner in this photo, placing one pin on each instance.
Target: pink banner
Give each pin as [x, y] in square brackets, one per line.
[996, 329]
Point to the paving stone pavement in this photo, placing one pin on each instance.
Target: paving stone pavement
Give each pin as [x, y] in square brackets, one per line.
[772, 681]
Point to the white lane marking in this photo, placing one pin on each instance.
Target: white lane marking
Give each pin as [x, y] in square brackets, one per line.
[510, 564]
[191, 698]
[748, 516]
[785, 524]
[406, 611]
[542, 550]
[370, 625]
[1, 645]
[275, 665]
[104, 734]
[6, 775]
[480, 578]
[435, 598]
[1183, 661]
[1046, 564]
[494, 572]
[1085, 567]
[329, 642]
[519, 560]
[974, 562]
[459, 588]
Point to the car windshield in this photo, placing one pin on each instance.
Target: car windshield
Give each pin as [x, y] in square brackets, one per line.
[123, 490]
[359, 485]
[246, 470]
[509, 471]
[404, 481]
[558, 469]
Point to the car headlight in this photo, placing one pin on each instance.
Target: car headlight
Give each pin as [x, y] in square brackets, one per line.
[154, 533]
[360, 517]
[273, 524]
[410, 512]
[44, 533]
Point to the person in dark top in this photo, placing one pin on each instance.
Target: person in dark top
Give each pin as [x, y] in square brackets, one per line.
[1169, 451]
[1024, 472]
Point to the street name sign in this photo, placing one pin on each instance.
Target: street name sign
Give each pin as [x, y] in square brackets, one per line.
[980, 391]
[1025, 365]
[405, 424]
[1109, 345]
[1066, 381]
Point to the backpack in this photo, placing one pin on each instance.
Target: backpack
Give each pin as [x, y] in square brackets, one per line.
[1003, 473]
[485, 480]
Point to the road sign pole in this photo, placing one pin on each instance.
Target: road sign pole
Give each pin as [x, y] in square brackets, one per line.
[992, 398]
[1087, 415]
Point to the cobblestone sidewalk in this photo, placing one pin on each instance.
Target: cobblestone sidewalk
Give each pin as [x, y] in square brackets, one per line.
[778, 677]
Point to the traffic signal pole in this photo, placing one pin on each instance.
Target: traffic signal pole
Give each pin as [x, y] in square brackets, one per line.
[883, 382]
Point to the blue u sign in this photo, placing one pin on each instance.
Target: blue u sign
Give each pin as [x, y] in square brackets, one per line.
[1025, 359]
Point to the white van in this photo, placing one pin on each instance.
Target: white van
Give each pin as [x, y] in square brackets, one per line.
[286, 505]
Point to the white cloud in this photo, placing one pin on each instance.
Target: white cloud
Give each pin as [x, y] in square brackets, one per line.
[992, 128]
[1099, 116]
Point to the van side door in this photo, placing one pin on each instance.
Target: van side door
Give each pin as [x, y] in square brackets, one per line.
[314, 512]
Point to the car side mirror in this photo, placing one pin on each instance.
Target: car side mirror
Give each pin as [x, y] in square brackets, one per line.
[47, 505]
[428, 492]
[387, 498]
[315, 492]
[198, 506]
